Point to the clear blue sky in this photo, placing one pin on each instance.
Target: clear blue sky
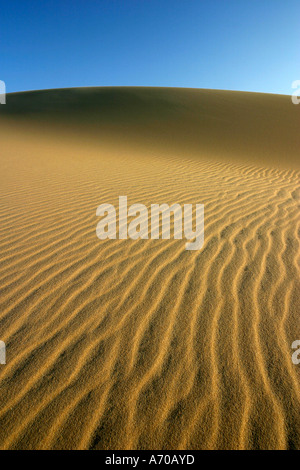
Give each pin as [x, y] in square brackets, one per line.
[250, 45]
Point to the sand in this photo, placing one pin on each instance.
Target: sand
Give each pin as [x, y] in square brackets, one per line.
[140, 344]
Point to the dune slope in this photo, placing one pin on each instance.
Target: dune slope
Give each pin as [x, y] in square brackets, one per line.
[123, 344]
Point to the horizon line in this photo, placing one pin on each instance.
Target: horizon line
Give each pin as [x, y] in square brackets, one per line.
[146, 86]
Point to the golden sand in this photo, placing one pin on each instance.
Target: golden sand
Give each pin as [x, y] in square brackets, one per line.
[123, 344]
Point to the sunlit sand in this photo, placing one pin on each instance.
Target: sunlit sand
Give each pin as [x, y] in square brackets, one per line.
[141, 344]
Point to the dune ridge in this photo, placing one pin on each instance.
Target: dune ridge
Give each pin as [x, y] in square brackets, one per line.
[123, 344]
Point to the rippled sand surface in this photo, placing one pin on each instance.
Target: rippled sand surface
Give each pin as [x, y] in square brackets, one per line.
[123, 344]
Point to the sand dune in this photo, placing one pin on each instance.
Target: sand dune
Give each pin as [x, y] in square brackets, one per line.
[123, 344]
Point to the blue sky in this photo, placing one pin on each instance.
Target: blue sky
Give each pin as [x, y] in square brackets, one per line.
[250, 45]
